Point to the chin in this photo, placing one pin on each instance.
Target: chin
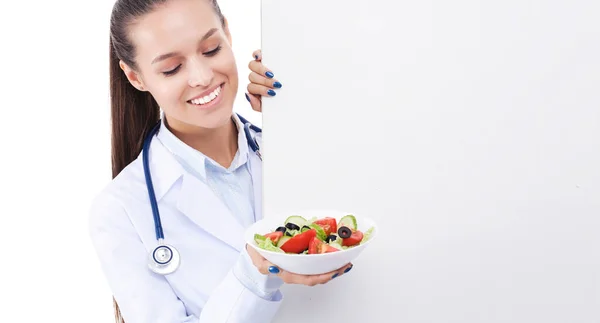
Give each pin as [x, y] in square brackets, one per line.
[216, 118]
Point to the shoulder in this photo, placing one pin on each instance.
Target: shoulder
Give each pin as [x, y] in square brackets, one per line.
[112, 206]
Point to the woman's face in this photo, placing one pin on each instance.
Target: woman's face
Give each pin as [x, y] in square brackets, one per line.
[185, 61]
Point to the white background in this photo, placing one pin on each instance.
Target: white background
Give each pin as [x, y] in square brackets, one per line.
[54, 68]
[468, 130]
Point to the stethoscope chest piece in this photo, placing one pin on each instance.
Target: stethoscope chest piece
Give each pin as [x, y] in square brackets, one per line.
[164, 259]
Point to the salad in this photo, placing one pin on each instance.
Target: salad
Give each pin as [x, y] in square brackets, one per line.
[314, 236]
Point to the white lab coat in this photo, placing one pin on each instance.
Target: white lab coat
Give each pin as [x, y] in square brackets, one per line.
[194, 221]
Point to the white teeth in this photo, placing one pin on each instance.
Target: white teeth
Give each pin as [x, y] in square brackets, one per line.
[207, 98]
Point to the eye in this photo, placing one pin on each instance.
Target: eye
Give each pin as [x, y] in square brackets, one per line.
[173, 71]
[213, 52]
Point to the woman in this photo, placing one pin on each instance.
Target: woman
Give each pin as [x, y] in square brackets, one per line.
[176, 55]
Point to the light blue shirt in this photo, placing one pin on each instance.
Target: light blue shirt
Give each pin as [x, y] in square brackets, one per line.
[234, 187]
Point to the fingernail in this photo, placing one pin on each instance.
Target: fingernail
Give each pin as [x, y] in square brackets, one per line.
[336, 274]
[247, 97]
[271, 92]
[255, 56]
[274, 270]
[277, 85]
[269, 74]
[348, 269]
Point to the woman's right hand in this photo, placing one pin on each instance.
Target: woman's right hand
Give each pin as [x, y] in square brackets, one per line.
[267, 268]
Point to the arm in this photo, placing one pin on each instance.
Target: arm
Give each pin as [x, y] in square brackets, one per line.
[145, 297]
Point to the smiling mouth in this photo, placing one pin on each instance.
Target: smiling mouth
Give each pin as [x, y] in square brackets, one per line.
[207, 98]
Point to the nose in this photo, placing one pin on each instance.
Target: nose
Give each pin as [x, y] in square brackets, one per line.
[201, 74]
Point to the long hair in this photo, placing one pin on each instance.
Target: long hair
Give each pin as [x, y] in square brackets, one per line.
[133, 112]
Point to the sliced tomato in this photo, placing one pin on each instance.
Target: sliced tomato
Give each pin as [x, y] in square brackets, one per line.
[354, 239]
[317, 246]
[328, 224]
[313, 246]
[275, 236]
[327, 248]
[300, 242]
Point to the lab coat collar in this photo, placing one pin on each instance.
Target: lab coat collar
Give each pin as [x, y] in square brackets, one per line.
[255, 166]
[242, 153]
[165, 170]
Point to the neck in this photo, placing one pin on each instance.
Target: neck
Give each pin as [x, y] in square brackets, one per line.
[219, 144]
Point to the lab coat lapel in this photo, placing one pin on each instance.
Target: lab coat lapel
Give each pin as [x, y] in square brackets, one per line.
[203, 207]
[257, 179]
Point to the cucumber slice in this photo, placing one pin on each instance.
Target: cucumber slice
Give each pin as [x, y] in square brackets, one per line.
[320, 232]
[297, 220]
[283, 240]
[336, 245]
[348, 221]
[338, 240]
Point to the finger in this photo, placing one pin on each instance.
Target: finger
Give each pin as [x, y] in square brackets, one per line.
[260, 90]
[257, 260]
[255, 102]
[327, 277]
[257, 54]
[259, 68]
[309, 280]
[268, 268]
[342, 271]
[261, 80]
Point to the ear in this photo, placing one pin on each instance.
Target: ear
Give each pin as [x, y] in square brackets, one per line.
[133, 77]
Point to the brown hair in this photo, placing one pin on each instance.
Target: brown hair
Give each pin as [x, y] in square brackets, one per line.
[133, 112]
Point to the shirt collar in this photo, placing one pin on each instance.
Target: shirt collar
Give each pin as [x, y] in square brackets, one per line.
[195, 161]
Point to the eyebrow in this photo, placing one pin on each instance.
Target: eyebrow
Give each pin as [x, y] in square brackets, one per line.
[168, 55]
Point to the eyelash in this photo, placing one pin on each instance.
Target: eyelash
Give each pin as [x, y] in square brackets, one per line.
[207, 54]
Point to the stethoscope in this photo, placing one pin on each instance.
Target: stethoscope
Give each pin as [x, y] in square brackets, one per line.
[165, 259]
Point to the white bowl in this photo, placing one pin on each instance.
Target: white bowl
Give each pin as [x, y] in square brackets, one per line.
[306, 264]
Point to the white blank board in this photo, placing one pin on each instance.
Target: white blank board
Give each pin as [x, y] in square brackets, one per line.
[468, 130]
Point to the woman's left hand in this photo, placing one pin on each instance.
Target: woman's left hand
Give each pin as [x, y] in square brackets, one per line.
[262, 82]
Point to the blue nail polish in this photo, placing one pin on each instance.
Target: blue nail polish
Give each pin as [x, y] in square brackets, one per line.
[255, 56]
[247, 97]
[274, 270]
[277, 85]
[269, 74]
[271, 92]
[348, 269]
[336, 274]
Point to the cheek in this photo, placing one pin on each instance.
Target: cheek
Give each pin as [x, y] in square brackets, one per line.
[168, 92]
[227, 67]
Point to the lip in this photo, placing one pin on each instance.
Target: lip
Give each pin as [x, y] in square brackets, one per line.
[214, 103]
[205, 93]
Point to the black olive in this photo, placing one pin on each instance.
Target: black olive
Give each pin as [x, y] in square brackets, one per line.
[282, 229]
[292, 226]
[287, 233]
[306, 226]
[331, 237]
[344, 232]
